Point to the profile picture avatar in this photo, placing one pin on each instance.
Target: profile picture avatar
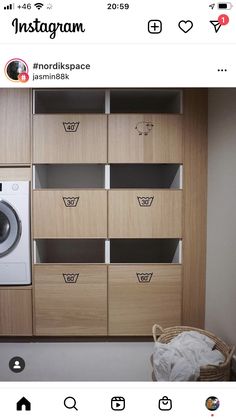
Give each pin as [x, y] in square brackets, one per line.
[17, 70]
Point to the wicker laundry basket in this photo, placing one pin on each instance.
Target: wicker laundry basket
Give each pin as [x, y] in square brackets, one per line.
[209, 372]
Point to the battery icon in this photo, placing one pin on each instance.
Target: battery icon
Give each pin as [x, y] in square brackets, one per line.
[225, 6]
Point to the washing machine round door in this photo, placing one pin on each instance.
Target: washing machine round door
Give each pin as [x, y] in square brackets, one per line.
[10, 228]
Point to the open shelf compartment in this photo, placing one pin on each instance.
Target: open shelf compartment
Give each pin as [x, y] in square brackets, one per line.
[69, 251]
[56, 101]
[160, 176]
[63, 176]
[145, 101]
[145, 251]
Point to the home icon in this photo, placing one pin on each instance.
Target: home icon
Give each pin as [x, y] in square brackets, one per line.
[23, 404]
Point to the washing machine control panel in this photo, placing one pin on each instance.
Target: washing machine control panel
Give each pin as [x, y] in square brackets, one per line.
[14, 187]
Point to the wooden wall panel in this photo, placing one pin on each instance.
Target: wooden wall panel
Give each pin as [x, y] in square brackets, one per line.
[195, 206]
[15, 126]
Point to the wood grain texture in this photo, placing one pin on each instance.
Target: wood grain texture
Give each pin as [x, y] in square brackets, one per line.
[15, 312]
[15, 173]
[162, 144]
[15, 126]
[195, 206]
[52, 219]
[52, 144]
[135, 306]
[127, 219]
[70, 308]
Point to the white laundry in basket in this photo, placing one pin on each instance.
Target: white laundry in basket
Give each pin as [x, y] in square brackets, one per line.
[182, 357]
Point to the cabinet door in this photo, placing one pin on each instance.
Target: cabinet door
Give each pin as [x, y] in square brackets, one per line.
[15, 126]
[145, 138]
[70, 213]
[141, 295]
[15, 312]
[70, 138]
[70, 300]
[145, 213]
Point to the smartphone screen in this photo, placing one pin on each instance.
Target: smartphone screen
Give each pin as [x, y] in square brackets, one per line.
[117, 208]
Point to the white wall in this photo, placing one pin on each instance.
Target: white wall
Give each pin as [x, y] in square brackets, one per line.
[221, 242]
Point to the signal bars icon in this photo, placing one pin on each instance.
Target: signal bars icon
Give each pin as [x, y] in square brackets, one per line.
[10, 6]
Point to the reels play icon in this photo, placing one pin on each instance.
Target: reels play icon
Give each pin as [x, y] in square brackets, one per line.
[117, 403]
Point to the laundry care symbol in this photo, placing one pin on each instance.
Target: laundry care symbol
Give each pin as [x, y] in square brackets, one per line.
[185, 25]
[144, 127]
[144, 277]
[145, 201]
[71, 126]
[70, 278]
[71, 201]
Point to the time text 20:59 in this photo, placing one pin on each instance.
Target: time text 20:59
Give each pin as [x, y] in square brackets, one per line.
[117, 6]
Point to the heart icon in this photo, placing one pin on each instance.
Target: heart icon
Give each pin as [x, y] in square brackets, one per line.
[185, 25]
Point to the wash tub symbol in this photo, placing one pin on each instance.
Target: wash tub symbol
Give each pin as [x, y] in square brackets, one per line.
[70, 278]
[144, 277]
[145, 201]
[144, 127]
[71, 201]
[71, 126]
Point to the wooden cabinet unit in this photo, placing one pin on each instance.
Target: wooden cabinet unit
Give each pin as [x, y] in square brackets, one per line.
[118, 181]
[70, 300]
[15, 312]
[145, 213]
[70, 213]
[15, 143]
[70, 138]
[141, 295]
[145, 138]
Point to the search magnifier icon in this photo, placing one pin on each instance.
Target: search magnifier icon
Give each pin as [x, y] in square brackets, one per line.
[70, 403]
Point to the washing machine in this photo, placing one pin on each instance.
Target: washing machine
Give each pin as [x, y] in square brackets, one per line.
[15, 255]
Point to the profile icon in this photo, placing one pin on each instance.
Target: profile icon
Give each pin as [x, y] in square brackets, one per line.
[212, 403]
[17, 364]
[16, 70]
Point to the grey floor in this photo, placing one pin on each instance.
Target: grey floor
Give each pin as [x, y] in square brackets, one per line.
[103, 361]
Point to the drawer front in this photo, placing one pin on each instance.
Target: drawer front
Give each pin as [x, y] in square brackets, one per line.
[143, 138]
[70, 300]
[15, 312]
[145, 213]
[141, 295]
[70, 214]
[70, 138]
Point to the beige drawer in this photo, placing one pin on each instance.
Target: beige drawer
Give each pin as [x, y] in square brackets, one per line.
[70, 138]
[70, 300]
[141, 295]
[145, 138]
[15, 312]
[145, 213]
[70, 213]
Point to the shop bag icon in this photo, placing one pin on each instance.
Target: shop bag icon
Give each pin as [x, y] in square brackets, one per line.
[165, 403]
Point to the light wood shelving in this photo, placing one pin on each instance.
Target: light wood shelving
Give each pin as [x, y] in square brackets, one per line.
[118, 210]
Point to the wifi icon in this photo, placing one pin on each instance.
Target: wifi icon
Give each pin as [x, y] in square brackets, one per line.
[39, 5]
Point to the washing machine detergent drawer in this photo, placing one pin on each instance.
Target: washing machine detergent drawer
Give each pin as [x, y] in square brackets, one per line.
[14, 274]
